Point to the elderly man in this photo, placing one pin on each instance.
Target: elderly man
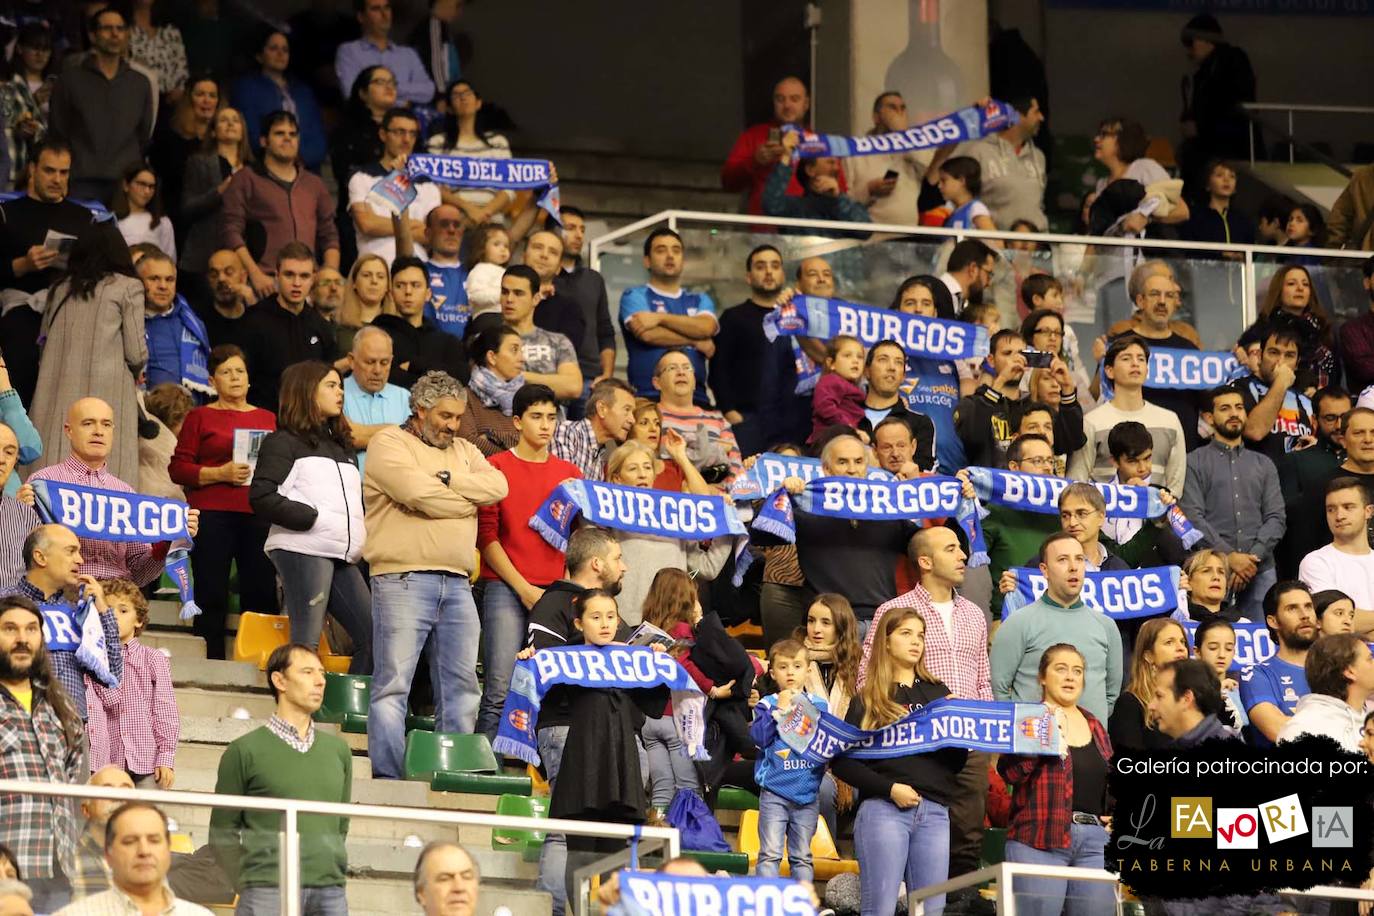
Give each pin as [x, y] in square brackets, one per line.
[92, 874]
[138, 848]
[710, 440]
[610, 417]
[90, 430]
[421, 491]
[447, 880]
[371, 403]
[327, 294]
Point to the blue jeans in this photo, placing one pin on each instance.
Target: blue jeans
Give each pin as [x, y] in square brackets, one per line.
[669, 768]
[894, 844]
[315, 901]
[504, 624]
[778, 818]
[314, 585]
[406, 609]
[1047, 896]
[553, 858]
[1251, 599]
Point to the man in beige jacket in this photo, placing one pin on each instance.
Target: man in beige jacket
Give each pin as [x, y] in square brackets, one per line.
[421, 491]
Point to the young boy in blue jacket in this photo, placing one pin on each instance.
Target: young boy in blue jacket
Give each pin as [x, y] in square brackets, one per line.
[789, 805]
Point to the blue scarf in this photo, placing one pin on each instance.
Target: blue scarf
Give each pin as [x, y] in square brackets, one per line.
[1254, 645]
[931, 338]
[971, 123]
[497, 174]
[1124, 594]
[626, 667]
[104, 515]
[653, 894]
[494, 391]
[876, 500]
[193, 346]
[770, 470]
[808, 373]
[1185, 370]
[639, 510]
[79, 631]
[975, 725]
[1040, 493]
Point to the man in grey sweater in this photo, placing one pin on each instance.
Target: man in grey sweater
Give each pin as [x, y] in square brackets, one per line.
[1059, 615]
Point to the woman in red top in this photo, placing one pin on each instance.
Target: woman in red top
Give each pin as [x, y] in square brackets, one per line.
[1059, 805]
[217, 485]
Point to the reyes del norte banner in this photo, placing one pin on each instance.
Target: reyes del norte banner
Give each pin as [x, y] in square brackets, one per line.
[640, 510]
[396, 190]
[825, 319]
[964, 124]
[770, 470]
[1123, 594]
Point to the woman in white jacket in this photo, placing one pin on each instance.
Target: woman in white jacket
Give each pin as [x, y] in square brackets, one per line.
[632, 465]
[307, 485]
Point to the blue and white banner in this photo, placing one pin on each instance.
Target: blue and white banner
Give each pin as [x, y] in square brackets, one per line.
[875, 500]
[79, 631]
[770, 470]
[1186, 370]
[625, 667]
[1040, 493]
[106, 515]
[975, 725]
[497, 174]
[1254, 645]
[971, 123]
[825, 319]
[1123, 594]
[655, 894]
[636, 509]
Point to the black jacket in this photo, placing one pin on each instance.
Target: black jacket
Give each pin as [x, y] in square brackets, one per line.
[587, 288]
[987, 421]
[422, 349]
[274, 339]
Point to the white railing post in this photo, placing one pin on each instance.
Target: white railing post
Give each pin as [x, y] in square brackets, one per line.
[1247, 289]
[291, 856]
[1006, 891]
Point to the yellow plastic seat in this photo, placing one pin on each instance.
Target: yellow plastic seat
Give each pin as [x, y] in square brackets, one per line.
[338, 664]
[258, 635]
[825, 857]
[182, 842]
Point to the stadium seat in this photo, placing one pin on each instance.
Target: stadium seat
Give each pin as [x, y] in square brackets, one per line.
[538, 784]
[182, 843]
[994, 845]
[527, 842]
[423, 723]
[346, 698]
[459, 763]
[258, 635]
[335, 663]
[733, 798]
[825, 857]
[736, 863]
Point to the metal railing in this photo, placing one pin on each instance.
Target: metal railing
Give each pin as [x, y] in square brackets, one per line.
[1291, 108]
[291, 809]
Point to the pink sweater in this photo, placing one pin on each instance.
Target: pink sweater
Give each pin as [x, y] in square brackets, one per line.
[836, 401]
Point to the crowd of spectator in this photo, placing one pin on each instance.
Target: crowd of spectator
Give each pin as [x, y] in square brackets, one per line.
[364, 407]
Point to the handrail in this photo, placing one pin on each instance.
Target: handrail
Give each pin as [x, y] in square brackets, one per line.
[1251, 110]
[1302, 106]
[291, 808]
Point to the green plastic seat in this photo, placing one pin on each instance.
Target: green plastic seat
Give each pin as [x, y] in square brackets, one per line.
[736, 863]
[346, 699]
[459, 763]
[527, 842]
[424, 723]
[994, 846]
[733, 798]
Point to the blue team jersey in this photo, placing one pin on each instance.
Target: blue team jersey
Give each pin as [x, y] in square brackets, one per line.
[448, 300]
[1274, 681]
[963, 217]
[931, 388]
[642, 357]
[778, 768]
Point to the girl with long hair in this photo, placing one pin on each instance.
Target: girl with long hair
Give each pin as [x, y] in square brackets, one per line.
[1292, 300]
[223, 152]
[901, 831]
[366, 296]
[458, 135]
[833, 649]
[138, 207]
[1159, 641]
[181, 136]
[1214, 642]
[497, 373]
[307, 485]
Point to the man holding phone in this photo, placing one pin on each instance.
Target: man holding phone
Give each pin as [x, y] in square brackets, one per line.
[759, 148]
[887, 185]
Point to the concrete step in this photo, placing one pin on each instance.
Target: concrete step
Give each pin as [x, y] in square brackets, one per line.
[176, 644]
[196, 701]
[213, 674]
[166, 615]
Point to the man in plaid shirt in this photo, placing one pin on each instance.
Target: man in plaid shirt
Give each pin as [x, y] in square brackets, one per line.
[41, 735]
[610, 417]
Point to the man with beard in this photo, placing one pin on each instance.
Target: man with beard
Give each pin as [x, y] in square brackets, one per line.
[230, 296]
[661, 315]
[42, 739]
[968, 272]
[1013, 167]
[327, 294]
[888, 200]
[759, 147]
[1233, 498]
[745, 358]
[1270, 690]
[885, 370]
[1278, 415]
[421, 490]
[594, 560]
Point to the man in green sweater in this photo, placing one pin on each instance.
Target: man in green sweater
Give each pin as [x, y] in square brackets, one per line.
[1059, 615]
[286, 758]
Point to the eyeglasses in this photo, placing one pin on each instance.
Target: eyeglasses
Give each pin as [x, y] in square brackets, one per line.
[382, 81]
[1037, 462]
[676, 369]
[1050, 332]
[464, 94]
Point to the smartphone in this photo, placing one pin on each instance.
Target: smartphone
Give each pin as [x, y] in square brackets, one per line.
[890, 175]
[774, 135]
[1037, 359]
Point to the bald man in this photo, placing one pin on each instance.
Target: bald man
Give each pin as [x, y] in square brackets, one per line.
[92, 874]
[759, 148]
[230, 297]
[17, 517]
[447, 880]
[90, 429]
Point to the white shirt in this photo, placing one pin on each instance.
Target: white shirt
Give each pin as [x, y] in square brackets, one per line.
[138, 227]
[1352, 573]
[946, 611]
[426, 199]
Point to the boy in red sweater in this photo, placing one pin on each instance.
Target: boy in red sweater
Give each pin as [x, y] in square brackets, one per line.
[517, 564]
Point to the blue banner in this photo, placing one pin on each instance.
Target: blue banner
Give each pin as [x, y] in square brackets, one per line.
[770, 470]
[1185, 370]
[1253, 642]
[975, 725]
[825, 319]
[1040, 493]
[655, 894]
[497, 174]
[627, 667]
[636, 509]
[876, 500]
[1124, 594]
[79, 631]
[971, 123]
